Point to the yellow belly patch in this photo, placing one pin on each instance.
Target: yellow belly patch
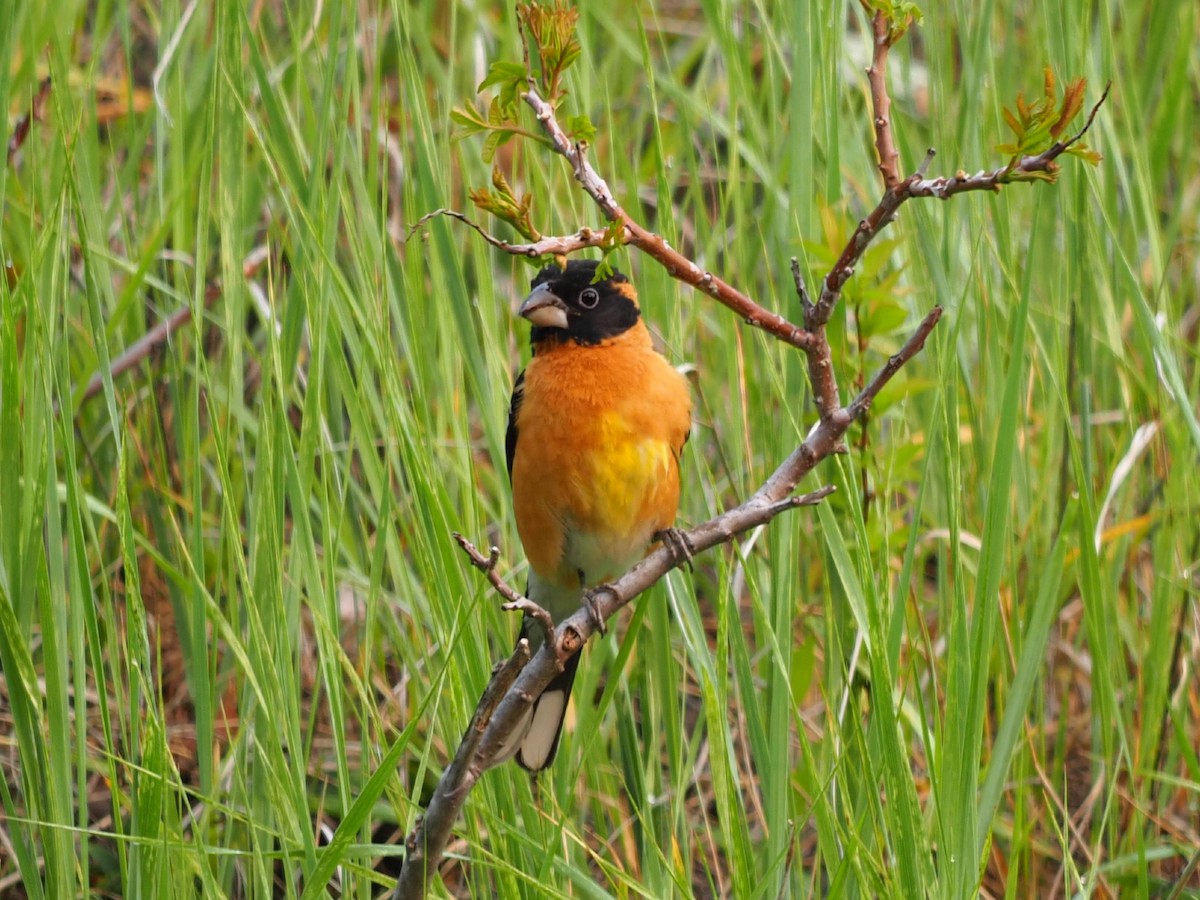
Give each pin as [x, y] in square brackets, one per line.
[631, 478]
[623, 492]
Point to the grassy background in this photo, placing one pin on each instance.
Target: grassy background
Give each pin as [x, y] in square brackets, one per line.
[237, 641]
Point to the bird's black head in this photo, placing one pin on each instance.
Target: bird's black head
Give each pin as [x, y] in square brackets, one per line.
[564, 304]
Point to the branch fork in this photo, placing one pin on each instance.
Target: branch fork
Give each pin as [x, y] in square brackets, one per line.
[514, 602]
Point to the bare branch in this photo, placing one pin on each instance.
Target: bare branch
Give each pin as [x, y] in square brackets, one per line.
[487, 565]
[885, 144]
[868, 228]
[529, 608]
[924, 166]
[426, 844]
[917, 185]
[514, 601]
[992, 180]
[546, 246]
[801, 287]
[859, 406]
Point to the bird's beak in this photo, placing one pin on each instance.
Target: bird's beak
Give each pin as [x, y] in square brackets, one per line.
[544, 308]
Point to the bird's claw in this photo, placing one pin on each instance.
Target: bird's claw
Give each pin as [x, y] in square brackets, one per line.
[592, 605]
[679, 544]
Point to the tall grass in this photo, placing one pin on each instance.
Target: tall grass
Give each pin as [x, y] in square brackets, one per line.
[238, 643]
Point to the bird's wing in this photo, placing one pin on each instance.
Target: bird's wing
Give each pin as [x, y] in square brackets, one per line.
[514, 406]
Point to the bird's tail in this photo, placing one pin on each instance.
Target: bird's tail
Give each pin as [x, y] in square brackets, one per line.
[535, 739]
[540, 743]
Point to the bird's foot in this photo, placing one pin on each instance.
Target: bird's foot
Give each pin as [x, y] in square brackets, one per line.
[679, 544]
[592, 603]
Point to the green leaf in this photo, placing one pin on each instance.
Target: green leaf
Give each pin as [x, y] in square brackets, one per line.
[1086, 153]
[900, 15]
[499, 125]
[496, 117]
[469, 120]
[492, 143]
[503, 72]
[510, 78]
[883, 317]
[581, 128]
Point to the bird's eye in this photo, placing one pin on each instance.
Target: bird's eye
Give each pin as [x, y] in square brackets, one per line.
[589, 298]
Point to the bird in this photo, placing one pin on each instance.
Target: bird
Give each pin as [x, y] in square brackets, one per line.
[596, 426]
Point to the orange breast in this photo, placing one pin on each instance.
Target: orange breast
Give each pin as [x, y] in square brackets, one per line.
[596, 468]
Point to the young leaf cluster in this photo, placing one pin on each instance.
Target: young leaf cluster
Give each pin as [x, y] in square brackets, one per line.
[501, 122]
[1038, 124]
[504, 204]
[900, 15]
[550, 28]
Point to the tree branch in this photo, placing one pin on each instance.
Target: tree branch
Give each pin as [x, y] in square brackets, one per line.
[960, 183]
[509, 695]
[425, 846]
[560, 245]
[862, 403]
[514, 601]
[487, 565]
[917, 185]
[490, 738]
[885, 145]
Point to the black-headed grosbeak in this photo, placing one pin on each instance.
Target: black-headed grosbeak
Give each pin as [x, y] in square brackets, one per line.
[595, 429]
